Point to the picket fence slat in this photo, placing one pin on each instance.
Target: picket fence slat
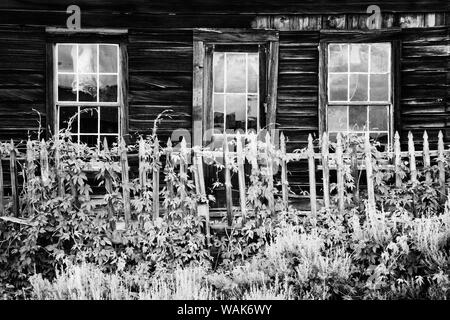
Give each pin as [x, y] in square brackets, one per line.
[241, 177]
[14, 180]
[109, 190]
[228, 185]
[125, 184]
[340, 173]
[426, 157]
[284, 177]
[369, 173]
[29, 176]
[398, 160]
[155, 181]
[2, 193]
[441, 165]
[312, 177]
[269, 164]
[325, 171]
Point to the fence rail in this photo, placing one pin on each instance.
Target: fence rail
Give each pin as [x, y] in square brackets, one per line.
[267, 158]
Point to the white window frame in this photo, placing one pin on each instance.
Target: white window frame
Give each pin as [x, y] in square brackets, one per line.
[96, 106]
[347, 103]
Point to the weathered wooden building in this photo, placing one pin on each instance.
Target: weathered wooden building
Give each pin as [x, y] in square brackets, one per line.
[300, 66]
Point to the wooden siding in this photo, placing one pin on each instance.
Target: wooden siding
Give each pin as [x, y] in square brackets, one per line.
[160, 76]
[22, 81]
[230, 6]
[424, 97]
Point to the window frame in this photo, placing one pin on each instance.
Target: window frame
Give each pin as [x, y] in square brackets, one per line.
[117, 37]
[361, 37]
[205, 41]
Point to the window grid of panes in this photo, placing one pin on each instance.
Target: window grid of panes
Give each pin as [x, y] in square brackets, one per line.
[359, 89]
[236, 91]
[87, 77]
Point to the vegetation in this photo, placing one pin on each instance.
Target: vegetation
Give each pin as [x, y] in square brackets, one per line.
[399, 250]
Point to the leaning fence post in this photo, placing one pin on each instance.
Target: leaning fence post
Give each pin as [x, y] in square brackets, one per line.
[109, 190]
[284, 178]
[340, 173]
[14, 182]
[325, 171]
[312, 176]
[59, 174]
[44, 162]
[183, 170]
[155, 178]
[426, 157]
[253, 152]
[441, 165]
[269, 163]
[241, 176]
[354, 171]
[2, 206]
[125, 183]
[169, 163]
[228, 191]
[30, 175]
[398, 160]
[369, 173]
[202, 208]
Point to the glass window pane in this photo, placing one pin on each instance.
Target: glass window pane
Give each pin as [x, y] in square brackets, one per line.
[109, 120]
[88, 120]
[379, 87]
[66, 87]
[338, 61]
[357, 116]
[87, 87]
[359, 54]
[235, 107]
[253, 71]
[379, 57]
[236, 76]
[358, 87]
[90, 140]
[219, 111]
[218, 67]
[66, 58]
[87, 58]
[252, 112]
[65, 115]
[337, 118]
[378, 118]
[108, 58]
[338, 87]
[108, 88]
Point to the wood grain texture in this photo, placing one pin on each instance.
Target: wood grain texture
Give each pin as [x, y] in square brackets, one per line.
[231, 6]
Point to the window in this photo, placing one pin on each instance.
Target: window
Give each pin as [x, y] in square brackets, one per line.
[87, 80]
[236, 91]
[235, 74]
[359, 89]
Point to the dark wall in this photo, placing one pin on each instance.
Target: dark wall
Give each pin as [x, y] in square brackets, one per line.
[229, 6]
[425, 75]
[160, 77]
[22, 81]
